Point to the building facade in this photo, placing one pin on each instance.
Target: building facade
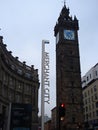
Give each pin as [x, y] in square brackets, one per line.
[19, 83]
[90, 97]
[68, 74]
[47, 125]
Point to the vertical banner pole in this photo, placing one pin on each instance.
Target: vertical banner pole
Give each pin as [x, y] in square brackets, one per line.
[42, 87]
[44, 82]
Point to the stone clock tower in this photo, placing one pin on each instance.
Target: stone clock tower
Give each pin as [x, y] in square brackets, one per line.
[68, 80]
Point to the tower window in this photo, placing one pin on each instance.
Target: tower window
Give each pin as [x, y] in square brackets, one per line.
[71, 67]
[71, 52]
[73, 119]
[73, 100]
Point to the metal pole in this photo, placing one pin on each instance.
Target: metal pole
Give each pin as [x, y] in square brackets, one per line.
[42, 87]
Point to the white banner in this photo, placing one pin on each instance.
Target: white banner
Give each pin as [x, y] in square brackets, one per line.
[46, 78]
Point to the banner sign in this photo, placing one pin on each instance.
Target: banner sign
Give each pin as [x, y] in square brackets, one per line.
[45, 84]
[46, 78]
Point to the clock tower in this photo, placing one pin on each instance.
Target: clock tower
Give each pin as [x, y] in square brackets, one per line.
[68, 74]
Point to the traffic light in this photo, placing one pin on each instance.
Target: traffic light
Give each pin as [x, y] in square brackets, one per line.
[62, 111]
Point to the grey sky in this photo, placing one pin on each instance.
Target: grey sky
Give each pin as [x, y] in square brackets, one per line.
[24, 24]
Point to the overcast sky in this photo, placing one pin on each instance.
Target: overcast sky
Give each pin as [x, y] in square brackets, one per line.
[25, 23]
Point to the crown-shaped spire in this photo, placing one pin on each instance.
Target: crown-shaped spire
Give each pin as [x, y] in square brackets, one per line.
[65, 20]
[64, 15]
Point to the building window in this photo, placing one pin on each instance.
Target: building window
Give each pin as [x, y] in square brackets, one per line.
[28, 75]
[5, 77]
[97, 113]
[89, 115]
[89, 100]
[93, 106]
[87, 78]
[92, 98]
[91, 90]
[93, 114]
[85, 101]
[96, 73]
[19, 86]
[90, 76]
[11, 81]
[27, 89]
[11, 95]
[95, 96]
[90, 107]
[27, 99]
[95, 88]
[86, 109]
[86, 116]
[18, 98]
[88, 92]
[85, 94]
[4, 91]
[19, 71]
[97, 104]
[96, 120]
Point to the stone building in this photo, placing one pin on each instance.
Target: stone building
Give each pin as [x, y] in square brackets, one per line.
[19, 83]
[90, 97]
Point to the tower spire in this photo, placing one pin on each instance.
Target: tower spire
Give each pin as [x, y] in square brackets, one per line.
[64, 2]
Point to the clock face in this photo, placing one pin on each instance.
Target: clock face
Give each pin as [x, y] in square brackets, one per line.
[69, 34]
